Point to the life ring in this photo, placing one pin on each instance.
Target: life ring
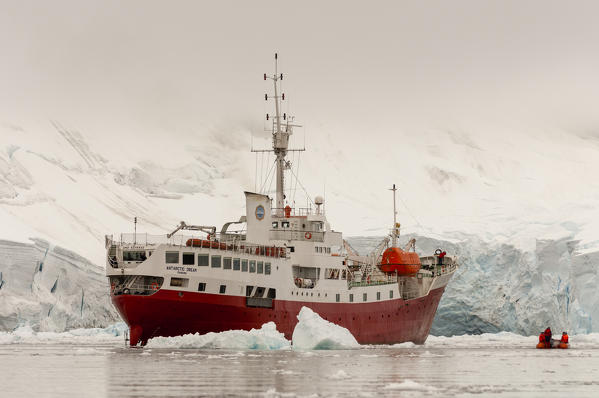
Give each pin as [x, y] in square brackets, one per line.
[437, 252]
[308, 235]
[154, 286]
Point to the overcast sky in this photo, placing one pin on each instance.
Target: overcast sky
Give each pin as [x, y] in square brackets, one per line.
[402, 79]
[179, 65]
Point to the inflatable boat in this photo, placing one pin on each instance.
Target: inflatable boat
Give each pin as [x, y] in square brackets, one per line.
[554, 344]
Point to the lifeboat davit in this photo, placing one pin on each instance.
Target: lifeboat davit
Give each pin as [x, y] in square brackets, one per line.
[396, 259]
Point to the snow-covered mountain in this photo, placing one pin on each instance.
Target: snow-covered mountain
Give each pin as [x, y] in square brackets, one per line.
[513, 206]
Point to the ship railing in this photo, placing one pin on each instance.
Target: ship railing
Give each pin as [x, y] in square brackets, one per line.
[301, 235]
[235, 244]
[138, 290]
[352, 281]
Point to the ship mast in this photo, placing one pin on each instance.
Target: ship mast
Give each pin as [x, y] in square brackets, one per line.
[395, 229]
[281, 130]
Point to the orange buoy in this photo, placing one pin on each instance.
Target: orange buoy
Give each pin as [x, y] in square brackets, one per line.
[400, 261]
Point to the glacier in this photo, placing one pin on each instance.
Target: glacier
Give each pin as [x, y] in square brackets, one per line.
[51, 289]
[505, 287]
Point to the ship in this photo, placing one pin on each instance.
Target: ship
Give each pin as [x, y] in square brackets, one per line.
[271, 262]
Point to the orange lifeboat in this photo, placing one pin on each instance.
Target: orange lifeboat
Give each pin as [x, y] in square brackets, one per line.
[396, 259]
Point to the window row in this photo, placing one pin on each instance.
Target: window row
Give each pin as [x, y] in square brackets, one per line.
[205, 260]
[321, 249]
[364, 296]
[284, 224]
[184, 282]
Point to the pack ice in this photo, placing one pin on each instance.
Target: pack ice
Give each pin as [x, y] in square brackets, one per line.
[311, 333]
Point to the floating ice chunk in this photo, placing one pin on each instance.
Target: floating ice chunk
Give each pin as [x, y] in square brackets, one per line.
[26, 334]
[409, 385]
[314, 333]
[340, 375]
[265, 338]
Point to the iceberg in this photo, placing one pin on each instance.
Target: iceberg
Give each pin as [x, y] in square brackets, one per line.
[265, 338]
[314, 333]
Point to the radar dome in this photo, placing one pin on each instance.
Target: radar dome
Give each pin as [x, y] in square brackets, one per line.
[319, 200]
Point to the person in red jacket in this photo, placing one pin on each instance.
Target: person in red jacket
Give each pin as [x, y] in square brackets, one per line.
[564, 338]
[548, 336]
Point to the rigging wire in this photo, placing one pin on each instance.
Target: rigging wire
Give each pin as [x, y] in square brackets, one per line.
[305, 191]
[271, 168]
[299, 154]
[423, 228]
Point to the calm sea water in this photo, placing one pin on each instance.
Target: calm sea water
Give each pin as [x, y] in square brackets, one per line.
[111, 370]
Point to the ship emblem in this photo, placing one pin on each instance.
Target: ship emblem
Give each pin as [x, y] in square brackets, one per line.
[260, 212]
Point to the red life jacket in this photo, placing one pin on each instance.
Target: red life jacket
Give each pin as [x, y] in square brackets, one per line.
[541, 338]
[565, 338]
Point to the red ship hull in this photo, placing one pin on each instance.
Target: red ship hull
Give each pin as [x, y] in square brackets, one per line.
[172, 313]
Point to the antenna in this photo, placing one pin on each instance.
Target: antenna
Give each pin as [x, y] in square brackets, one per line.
[280, 136]
[395, 229]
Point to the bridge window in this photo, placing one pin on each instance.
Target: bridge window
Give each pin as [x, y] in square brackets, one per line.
[275, 224]
[179, 282]
[236, 264]
[201, 287]
[285, 224]
[215, 261]
[248, 290]
[134, 256]
[244, 265]
[223, 289]
[252, 266]
[260, 267]
[272, 293]
[203, 260]
[172, 257]
[331, 273]
[227, 263]
[188, 258]
[267, 268]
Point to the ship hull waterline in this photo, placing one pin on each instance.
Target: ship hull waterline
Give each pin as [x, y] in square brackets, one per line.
[170, 313]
